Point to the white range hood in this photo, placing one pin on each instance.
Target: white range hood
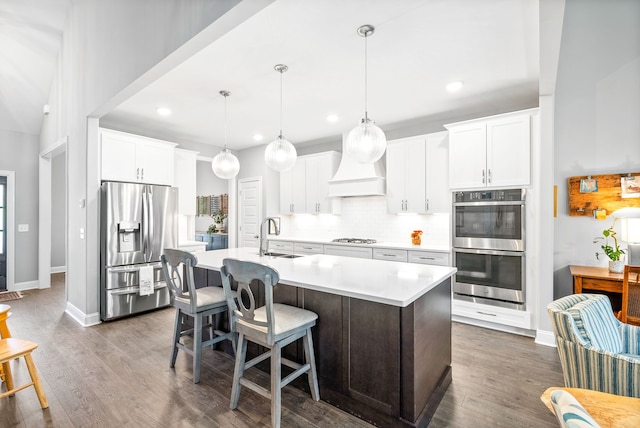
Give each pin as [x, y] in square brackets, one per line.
[357, 179]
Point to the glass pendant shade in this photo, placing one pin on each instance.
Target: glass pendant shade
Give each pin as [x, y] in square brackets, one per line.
[280, 154]
[366, 142]
[225, 165]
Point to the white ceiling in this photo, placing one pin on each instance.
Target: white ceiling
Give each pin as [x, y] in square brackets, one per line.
[30, 39]
[419, 46]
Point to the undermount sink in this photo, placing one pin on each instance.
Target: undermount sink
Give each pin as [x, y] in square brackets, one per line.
[281, 255]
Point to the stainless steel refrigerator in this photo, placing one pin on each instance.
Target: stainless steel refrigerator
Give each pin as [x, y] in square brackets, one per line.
[138, 221]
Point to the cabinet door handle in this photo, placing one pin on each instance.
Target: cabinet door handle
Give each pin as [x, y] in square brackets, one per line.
[488, 176]
[483, 179]
[427, 258]
[487, 313]
[427, 204]
[141, 173]
[137, 173]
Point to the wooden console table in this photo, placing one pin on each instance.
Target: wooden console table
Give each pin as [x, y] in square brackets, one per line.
[598, 279]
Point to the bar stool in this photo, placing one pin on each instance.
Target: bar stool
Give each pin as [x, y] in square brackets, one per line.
[199, 304]
[4, 329]
[15, 348]
[273, 326]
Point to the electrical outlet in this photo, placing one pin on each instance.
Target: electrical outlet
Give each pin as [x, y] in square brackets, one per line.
[23, 228]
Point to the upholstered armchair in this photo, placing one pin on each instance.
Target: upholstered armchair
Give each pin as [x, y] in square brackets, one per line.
[596, 350]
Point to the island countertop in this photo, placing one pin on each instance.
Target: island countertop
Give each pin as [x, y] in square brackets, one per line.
[388, 282]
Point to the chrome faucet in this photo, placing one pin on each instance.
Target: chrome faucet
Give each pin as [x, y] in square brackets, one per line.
[263, 249]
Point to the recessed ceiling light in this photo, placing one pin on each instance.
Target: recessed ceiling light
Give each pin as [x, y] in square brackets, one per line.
[455, 86]
[332, 118]
[258, 137]
[163, 111]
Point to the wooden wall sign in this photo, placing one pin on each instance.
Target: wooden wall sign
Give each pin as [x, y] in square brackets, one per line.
[603, 194]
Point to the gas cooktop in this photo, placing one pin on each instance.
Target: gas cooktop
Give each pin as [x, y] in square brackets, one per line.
[355, 240]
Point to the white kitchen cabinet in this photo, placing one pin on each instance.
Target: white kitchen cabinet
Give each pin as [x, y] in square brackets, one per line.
[292, 189]
[304, 189]
[348, 251]
[428, 257]
[390, 254]
[491, 152]
[285, 247]
[307, 248]
[137, 159]
[417, 174]
[185, 180]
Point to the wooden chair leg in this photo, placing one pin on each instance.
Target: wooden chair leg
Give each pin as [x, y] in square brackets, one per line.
[197, 347]
[36, 381]
[241, 355]
[8, 378]
[311, 360]
[176, 337]
[276, 387]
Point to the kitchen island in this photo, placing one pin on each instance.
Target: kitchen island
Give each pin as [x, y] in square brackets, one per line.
[383, 336]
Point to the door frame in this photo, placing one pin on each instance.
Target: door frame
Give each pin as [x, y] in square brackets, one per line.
[11, 202]
[44, 212]
[239, 213]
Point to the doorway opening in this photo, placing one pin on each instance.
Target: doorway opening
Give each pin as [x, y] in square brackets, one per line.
[3, 234]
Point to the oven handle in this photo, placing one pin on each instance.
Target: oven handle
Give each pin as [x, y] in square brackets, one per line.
[490, 252]
[487, 203]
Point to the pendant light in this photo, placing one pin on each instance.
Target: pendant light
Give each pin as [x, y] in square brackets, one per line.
[225, 165]
[366, 142]
[280, 154]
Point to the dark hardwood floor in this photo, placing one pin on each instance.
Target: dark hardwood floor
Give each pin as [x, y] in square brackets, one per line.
[116, 374]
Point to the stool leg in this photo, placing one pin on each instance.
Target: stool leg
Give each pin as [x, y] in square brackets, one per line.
[310, 358]
[6, 368]
[241, 355]
[197, 347]
[276, 387]
[176, 338]
[36, 381]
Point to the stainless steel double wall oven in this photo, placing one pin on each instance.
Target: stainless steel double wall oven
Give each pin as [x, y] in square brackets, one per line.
[489, 247]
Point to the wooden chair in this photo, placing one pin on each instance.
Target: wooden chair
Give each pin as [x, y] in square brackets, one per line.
[273, 326]
[11, 349]
[630, 313]
[200, 304]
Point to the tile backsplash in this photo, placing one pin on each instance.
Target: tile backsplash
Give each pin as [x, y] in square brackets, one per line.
[367, 217]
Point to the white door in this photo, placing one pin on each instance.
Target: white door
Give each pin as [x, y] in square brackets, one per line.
[249, 211]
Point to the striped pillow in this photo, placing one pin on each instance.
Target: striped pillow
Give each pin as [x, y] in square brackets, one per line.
[569, 412]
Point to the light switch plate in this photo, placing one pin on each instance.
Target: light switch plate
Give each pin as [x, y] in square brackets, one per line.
[23, 228]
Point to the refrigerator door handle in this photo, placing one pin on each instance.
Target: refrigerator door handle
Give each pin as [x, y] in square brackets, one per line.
[136, 289]
[145, 224]
[150, 226]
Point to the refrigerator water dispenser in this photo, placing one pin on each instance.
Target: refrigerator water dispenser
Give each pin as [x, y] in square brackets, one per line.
[128, 236]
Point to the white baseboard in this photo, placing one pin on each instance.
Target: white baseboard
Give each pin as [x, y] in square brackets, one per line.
[546, 338]
[58, 269]
[493, 326]
[27, 285]
[85, 320]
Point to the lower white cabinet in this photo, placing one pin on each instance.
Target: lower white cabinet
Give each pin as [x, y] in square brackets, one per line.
[348, 251]
[285, 247]
[491, 314]
[307, 248]
[428, 257]
[389, 254]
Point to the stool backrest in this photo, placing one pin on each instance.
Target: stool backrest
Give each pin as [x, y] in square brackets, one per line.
[244, 273]
[177, 266]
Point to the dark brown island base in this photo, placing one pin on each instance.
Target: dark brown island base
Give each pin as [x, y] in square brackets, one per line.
[384, 354]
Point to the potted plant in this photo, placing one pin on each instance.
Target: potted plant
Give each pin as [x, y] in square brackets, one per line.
[614, 252]
[218, 219]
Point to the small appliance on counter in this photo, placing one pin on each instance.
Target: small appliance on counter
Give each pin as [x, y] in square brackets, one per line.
[137, 222]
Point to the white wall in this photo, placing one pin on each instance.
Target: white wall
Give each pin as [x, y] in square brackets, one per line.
[597, 111]
[19, 153]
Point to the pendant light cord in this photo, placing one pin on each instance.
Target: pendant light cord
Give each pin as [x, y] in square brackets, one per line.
[225, 123]
[281, 71]
[365, 78]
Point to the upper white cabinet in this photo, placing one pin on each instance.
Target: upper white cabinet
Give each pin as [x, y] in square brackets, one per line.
[304, 188]
[185, 163]
[132, 158]
[417, 174]
[491, 152]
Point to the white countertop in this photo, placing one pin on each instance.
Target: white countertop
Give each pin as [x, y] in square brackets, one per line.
[426, 246]
[388, 282]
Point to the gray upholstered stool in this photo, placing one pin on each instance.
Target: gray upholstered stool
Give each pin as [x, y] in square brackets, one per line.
[199, 304]
[273, 326]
